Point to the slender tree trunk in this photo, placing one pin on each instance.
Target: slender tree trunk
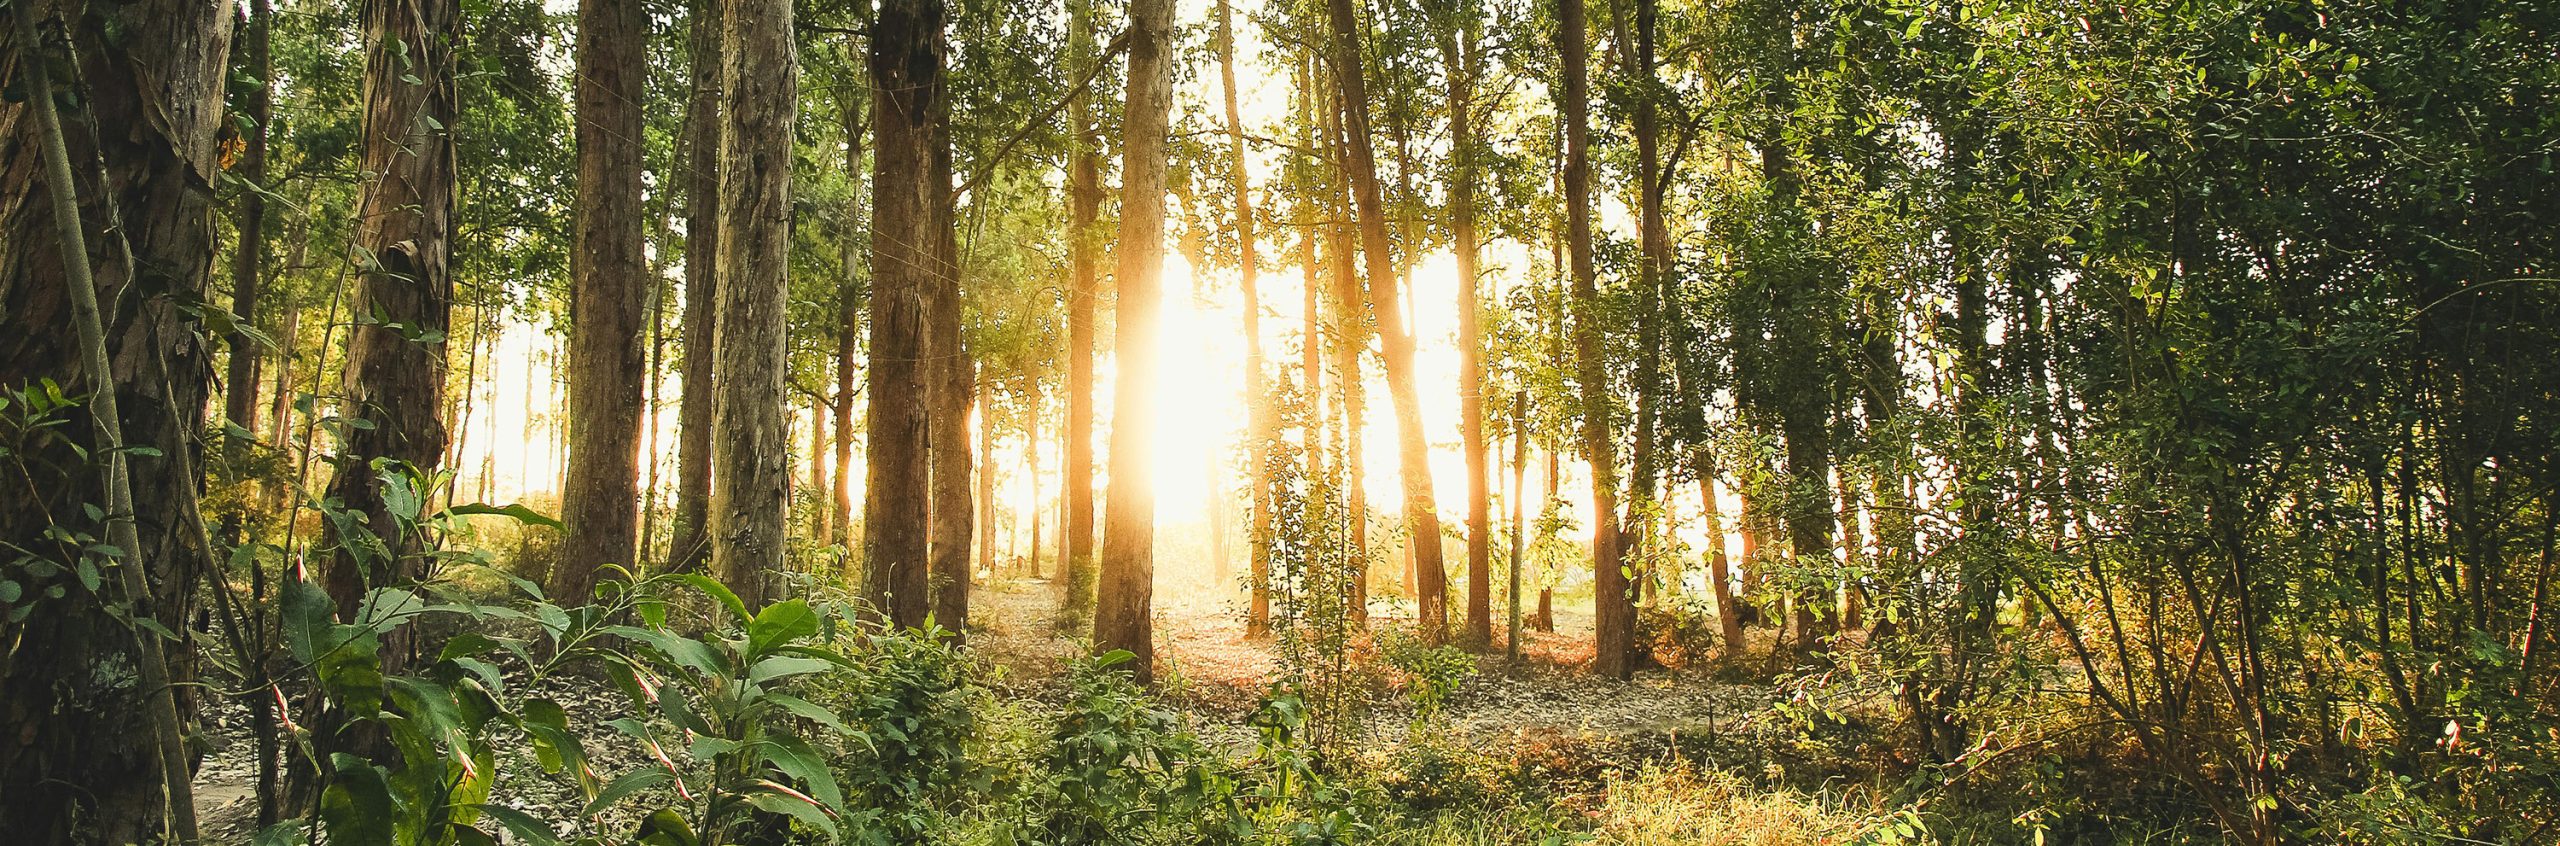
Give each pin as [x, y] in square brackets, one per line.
[1519, 511]
[1124, 611]
[248, 285]
[952, 385]
[1350, 340]
[1459, 50]
[1031, 467]
[690, 550]
[1613, 613]
[142, 137]
[986, 496]
[751, 494]
[907, 52]
[1260, 426]
[653, 445]
[1422, 514]
[1720, 568]
[1084, 197]
[1653, 273]
[849, 314]
[610, 270]
[820, 513]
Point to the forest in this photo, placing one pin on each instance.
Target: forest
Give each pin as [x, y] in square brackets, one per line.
[1263, 422]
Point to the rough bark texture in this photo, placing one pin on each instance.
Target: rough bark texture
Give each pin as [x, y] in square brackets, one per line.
[394, 377]
[1084, 196]
[1125, 594]
[1260, 427]
[609, 286]
[155, 91]
[907, 50]
[1421, 513]
[691, 548]
[1613, 623]
[750, 414]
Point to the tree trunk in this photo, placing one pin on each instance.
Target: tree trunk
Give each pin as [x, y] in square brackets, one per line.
[818, 414]
[849, 312]
[1720, 568]
[690, 550]
[1652, 277]
[1519, 511]
[1422, 515]
[907, 52]
[240, 383]
[153, 74]
[1350, 339]
[1084, 197]
[609, 287]
[1123, 614]
[395, 377]
[1260, 426]
[1459, 51]
[751, 415]
[1612, 614]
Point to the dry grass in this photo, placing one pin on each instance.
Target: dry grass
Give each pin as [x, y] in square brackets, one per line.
[1681, 806]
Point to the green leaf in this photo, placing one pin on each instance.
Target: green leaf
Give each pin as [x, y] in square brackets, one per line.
[683, 651]
[780, 623]
[357, 806]
[810, 710]
[1113, 658]
[523, 824]
[785, 666]
[796, 758]
[515, 510]
[717, 591]
[622, 787]
[783, 800]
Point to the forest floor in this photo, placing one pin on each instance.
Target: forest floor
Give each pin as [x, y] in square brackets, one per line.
[1546, 704]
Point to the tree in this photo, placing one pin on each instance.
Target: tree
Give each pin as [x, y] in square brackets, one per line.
[1422, 513]
[1261, 427]
[1084, 199]
[704, 139]
[1125, 593]
[910, 222]
[154, 71]
[751, 442]
[1613, 612]
[1462, 66]
[395, 366]
[248, 260]
[611, 281]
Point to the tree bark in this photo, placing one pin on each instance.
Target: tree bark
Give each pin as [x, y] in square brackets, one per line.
[849, 314]
[1350, 340]
[1084, 197]
[690, 550]
[750, 416]
[907, 54]
[1613, 614]
[156, 85]
[1124, 609]
[608, 288]
[1652, 276]
[1422, 515]
[395, 376]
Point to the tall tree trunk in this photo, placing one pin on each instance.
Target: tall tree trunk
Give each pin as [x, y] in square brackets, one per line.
[690, 550]
[818, 414]
[395, 368]
[849, 313]
[952, 384]
[751, 494]
[1719, 567]
[1652, 276]
[1031, 467]
[907, 51]
[1260, 426]
[985, 465]
[248, 284]
[1612, 613]
[1350, 340]
[1084, 246]
[608, 289]
[1519, 512]
[1422, 514]
[1459, 52]
[152, 75]
[1124, 609]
